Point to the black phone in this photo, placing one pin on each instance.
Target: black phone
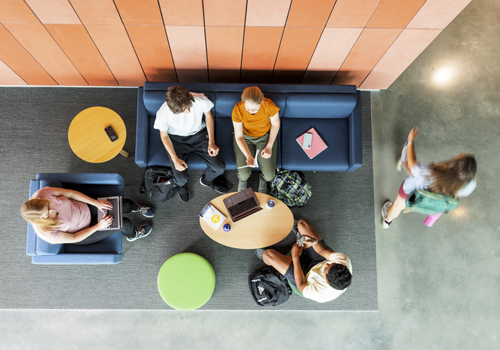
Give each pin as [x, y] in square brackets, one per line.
[111, 133]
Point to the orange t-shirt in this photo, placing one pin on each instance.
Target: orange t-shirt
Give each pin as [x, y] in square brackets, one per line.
[258, 124]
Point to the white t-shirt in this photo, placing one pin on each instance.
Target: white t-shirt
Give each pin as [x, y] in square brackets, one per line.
[183, 124]
[317, 287]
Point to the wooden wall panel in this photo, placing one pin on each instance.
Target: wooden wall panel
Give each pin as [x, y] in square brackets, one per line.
[16, 11]
[79, 47]
[352, 13]
[400, 55]
[9, 77]
[331, 52]
[189, 52]
[304, 14]
[224, 47]
[182, 12]
[225, 13]
[369, 49]
[96, 11]
[437, 14]
[151, 45]
[146, 12]
[21, 62]
[297, 47]
[265, 13]
[54, 11]
[38, 42]
[113, 43]
[259, 53]
[395, 13]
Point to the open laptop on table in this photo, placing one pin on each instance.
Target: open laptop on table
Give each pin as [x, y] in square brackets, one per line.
[241, 204]
[116, 212]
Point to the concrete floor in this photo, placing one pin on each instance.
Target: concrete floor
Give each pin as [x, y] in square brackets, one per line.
[438, 288]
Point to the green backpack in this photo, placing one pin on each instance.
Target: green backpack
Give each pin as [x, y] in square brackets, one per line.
[425, 202]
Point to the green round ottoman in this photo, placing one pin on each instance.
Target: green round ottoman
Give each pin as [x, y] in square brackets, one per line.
[186, 281]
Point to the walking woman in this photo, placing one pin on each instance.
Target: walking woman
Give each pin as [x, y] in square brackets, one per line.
[456, 177]
[256, 124]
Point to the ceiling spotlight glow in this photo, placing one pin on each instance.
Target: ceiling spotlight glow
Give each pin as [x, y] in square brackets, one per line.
[443, 75]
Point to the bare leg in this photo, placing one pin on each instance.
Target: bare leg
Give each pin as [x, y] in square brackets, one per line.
[307, 229]
[396, 208]
[277, 260]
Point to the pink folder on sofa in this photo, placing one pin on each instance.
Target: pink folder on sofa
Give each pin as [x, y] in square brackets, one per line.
[317, 143]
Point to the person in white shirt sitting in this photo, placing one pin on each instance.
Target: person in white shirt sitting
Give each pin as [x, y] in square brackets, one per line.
[316, 270]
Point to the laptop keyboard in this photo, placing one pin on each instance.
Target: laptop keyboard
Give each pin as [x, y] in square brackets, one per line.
[113, 212]
[241, 207]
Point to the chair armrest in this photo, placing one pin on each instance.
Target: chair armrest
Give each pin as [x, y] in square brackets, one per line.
[141, 132]
[355, 136]
[77, 259]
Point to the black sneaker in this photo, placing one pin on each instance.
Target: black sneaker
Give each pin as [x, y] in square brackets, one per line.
[183, 193]
[140, 232]
[217, 186]
[144, 210]
[259, 252]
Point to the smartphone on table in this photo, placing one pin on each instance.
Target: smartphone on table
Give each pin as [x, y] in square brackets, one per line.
[111, 133]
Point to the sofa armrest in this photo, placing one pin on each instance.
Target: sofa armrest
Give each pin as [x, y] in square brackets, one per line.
[84, 178]
[355, 136]
[77, 259]
[142, 132]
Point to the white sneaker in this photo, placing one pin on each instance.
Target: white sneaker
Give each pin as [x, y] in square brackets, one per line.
[385, 210]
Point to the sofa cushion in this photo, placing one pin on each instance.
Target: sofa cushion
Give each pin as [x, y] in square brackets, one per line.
[319, 105]
[335, 133]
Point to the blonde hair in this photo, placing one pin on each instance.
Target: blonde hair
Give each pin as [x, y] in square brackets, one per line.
[252, 94]
[32, 210]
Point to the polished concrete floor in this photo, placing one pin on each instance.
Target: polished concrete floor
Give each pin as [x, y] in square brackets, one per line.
[438, 287]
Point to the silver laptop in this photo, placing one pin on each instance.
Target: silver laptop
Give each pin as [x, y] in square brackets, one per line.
[116, 212]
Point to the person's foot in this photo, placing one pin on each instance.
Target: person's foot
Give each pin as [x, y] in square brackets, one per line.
[259, 252]
[140, 232]
[295, 229]
[216, 185]
[183, 193]
[242, 185]
[144, 210]
[263, 185]
[385, 210]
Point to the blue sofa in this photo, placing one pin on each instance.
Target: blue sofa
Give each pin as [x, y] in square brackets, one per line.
[107, 251]
[333, 110]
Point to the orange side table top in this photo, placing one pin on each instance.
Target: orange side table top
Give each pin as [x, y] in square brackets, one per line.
[259, 230]
[87, 137]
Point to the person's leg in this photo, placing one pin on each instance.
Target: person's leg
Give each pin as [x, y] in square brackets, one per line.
[129, 205]
[182, 150]
[396, 208]
[267, 166]
[215, 165]
[305, 228]
[277, 260]
[241, 160]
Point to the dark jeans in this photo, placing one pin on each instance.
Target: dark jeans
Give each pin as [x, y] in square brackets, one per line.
[197, 143]
[127, 228]
[308, 260]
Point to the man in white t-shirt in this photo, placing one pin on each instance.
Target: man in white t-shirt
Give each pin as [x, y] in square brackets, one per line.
[182, 131]
[317, 271]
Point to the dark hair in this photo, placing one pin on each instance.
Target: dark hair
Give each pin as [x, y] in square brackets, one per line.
[449, 177]
[339, 276]
[178, 99]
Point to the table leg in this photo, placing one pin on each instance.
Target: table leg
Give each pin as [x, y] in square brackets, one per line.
[124, 153]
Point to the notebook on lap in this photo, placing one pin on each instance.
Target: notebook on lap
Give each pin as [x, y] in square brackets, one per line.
[116, 212]
[241, 204]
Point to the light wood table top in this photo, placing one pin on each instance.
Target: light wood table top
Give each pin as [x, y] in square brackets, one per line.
[259, 230]
[87, 137]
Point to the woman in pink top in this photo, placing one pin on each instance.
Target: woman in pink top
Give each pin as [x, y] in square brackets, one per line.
[60, 215]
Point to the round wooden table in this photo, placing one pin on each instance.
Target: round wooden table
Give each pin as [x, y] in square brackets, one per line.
[259, 230]
[87, 137]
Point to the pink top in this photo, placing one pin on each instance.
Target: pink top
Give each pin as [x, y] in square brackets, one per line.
[73, 215]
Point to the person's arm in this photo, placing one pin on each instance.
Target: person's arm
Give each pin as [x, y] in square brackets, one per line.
[213, 150]
[412, 158]
[180, 165]
[298, 274]
[275, 127]
[240, 141]
[78, 196]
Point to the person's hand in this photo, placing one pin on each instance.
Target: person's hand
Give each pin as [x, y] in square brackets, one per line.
[413, 134]
[296, 250]
[267, 152]
[180, 165]
[104, 205]
[251, 161]
[105, 222]
[213, 150]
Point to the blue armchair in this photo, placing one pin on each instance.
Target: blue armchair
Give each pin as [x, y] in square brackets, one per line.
[107, 251]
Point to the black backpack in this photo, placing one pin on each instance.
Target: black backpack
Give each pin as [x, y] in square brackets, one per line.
[290, 187]
[268, 287]
[158, 184]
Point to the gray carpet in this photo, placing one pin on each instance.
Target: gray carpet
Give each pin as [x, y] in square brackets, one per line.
[34, 140]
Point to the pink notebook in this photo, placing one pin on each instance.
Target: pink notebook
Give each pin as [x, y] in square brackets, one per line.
[317, 143]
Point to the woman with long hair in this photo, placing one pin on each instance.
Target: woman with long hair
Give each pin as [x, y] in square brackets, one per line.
[456, 177]
[60, 215]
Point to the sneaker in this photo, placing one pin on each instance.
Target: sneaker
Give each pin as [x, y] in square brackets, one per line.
[259, 252]
[242, 185]
[140, 232]
[217, 186]
[144, 210]
[183, 193]
[295, 229]
[385, 210]
[263, 185]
